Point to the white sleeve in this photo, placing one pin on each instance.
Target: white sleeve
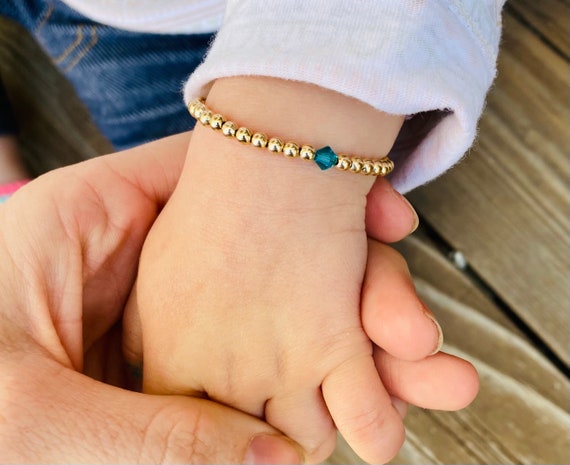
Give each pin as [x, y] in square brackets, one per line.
[401, 57]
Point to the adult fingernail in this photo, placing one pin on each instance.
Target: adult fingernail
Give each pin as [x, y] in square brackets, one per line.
[271, 449]
[416, 221]
[439, 331]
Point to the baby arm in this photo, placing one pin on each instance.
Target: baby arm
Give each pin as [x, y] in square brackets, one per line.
[249, 283]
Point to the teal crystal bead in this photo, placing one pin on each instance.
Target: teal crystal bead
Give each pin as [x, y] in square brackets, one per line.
[325, 158]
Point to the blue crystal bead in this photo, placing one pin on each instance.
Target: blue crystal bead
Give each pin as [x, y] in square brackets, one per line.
[325, 158]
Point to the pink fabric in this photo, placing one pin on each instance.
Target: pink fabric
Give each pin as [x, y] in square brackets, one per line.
[10, 188]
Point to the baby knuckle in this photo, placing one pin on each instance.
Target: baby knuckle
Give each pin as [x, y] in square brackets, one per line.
[320, 450]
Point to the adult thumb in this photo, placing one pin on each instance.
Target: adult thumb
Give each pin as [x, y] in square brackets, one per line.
[389, 216]
[54, 415]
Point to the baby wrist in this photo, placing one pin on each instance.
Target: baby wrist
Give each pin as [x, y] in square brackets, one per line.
[308, 114]
[293, 111]
[324, 157]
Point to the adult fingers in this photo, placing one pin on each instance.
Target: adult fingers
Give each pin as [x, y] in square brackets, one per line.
[55, 415]
[153, 168]
[99, 237]
[393, 316]
[389, 216]
[132, 345]
[440, 382]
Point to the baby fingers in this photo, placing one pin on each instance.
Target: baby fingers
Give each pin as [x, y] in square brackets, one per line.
[362, 410]
[303, 417]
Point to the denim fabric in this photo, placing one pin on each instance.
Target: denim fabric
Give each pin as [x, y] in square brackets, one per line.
[130, 82]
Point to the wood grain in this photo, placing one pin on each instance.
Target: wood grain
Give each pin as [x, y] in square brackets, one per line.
[520, 414]
[506, 207]
[548, 17]
[422, 253]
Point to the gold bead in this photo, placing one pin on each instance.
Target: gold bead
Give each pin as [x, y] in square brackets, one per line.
[199, 109]
[192, 106]
[367, 167]
[291, 150]
[356, 165]
[216, 121]
[307, 152]
[243, 135]
[205, 117]
[343, 163]
[383, 166]
[275, 145]
[229, 129]
[259, 140]
[377, 168]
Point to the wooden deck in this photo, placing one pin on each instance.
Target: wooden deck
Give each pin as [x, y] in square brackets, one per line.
[492, 257]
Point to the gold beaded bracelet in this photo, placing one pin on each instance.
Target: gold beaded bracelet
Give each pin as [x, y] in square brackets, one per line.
[324, 157]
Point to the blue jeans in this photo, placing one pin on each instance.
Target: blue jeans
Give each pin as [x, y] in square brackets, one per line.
[130, 82]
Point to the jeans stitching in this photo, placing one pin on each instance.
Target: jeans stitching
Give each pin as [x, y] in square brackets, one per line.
[72, 47]
[44, 18]
[86, 49]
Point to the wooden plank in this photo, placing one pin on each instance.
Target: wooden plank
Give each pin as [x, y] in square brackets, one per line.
[548, 17]
[520, 415]
[506, 207]
[476, 326]
[422, 255]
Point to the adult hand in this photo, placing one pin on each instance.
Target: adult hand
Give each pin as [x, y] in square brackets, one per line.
[69, 247]
[69, 244]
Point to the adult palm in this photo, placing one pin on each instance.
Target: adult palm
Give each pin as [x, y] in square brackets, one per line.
[69, 246]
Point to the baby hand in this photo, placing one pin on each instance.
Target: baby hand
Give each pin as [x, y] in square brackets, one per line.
[255, 303]
[249, 293]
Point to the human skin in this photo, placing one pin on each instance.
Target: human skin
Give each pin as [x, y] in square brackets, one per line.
[266, 256]
[66, 268]
[69, 246]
